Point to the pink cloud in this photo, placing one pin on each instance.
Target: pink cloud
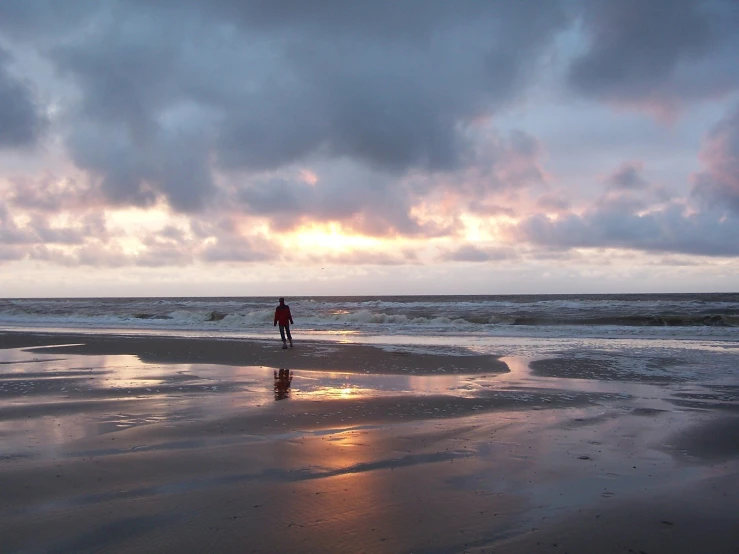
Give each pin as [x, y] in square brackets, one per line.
[718, 185]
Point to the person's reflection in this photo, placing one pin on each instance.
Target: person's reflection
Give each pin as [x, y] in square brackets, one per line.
[282, 384]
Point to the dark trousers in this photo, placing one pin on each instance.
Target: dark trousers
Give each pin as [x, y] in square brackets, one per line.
[285, 329]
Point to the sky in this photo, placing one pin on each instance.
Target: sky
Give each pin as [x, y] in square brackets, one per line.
[238, 148]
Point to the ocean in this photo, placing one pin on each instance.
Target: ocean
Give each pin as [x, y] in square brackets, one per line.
[326, 316]
[446, 320]
[700, 329]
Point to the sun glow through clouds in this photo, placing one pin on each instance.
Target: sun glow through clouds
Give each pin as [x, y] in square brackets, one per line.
[329, 237]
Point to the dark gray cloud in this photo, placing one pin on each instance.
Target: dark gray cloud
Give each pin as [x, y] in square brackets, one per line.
[405, 257]
[471, 253]
[49, 193]
[628, 191]
[379, 203]
[668, 230]
[501, 166]
[75, 233]
[206, 239]
[165, 249]
[91, 254]
[386, 83]
[718, 185]
[390, 85]
[661, 52]
[365, 201]
[554, 201]
[44, 19]
[36, 228]
[628, 177]
[81, 236]
[138, 170]
[511, 161]
[21, 119]
[238, 249]
[407, 21]
[11, 253]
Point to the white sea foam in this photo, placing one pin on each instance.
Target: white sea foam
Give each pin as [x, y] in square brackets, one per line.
[712, 316]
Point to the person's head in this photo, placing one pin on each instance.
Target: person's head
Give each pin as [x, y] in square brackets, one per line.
[282, 301]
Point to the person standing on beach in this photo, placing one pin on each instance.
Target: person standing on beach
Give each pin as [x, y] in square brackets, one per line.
[284, 318]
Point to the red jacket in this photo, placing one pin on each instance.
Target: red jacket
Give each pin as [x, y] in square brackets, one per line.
[282, 315]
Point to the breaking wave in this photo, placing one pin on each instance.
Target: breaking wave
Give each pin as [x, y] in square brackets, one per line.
[390, 314]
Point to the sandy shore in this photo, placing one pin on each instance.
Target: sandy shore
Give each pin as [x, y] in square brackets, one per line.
[143, 444]
[307, 355]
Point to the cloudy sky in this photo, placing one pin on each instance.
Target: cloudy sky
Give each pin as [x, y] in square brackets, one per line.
[244, 147]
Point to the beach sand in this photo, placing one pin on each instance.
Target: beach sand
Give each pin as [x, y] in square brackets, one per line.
[155, 444]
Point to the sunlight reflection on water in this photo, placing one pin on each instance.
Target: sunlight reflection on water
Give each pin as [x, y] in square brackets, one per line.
[48, 401]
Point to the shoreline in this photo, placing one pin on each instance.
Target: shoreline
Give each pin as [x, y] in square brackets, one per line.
[335, 336]
[307, 355]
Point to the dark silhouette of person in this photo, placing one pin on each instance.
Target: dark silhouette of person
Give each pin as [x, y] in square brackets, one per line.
[284, 318]
[282, 384]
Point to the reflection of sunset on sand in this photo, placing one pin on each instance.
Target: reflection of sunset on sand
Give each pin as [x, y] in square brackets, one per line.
[342, 461]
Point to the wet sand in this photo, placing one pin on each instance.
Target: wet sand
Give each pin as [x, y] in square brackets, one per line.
[170, 445]
[610, 367]
[308, 355]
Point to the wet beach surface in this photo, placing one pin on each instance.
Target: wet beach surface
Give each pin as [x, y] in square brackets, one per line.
[575, 451]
